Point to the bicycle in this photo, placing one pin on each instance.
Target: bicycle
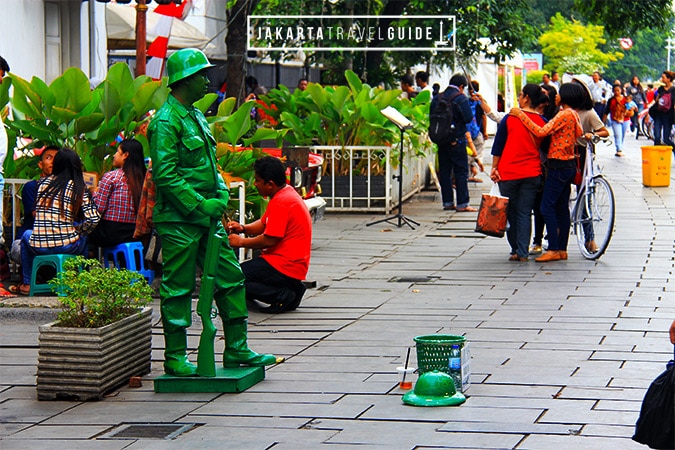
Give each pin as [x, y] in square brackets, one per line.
[593, 213]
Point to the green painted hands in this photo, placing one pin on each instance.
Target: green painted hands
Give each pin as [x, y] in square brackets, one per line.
[213, 207]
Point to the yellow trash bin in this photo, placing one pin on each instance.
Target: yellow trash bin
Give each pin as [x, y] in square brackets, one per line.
[656, 165]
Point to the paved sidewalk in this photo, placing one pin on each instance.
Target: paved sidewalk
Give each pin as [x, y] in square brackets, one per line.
[562, 352]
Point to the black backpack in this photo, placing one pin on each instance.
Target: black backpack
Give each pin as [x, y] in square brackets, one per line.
[441, 120]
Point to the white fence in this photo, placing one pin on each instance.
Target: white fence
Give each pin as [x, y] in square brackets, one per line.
[361, 178]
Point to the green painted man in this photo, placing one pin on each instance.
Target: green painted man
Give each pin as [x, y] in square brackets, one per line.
[190, 194]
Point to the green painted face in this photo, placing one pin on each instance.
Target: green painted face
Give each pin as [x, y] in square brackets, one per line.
[197, 85]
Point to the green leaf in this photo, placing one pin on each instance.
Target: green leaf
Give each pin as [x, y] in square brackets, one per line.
[261, 134]
[71, 90]
[238, 124]
[111, 101]
[23, 91]
[203, 103]
[354, 82]
[226, 106]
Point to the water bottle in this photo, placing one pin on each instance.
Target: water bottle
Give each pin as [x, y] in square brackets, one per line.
[455, 366]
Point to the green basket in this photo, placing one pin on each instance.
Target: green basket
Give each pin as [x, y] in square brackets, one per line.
[433, 351]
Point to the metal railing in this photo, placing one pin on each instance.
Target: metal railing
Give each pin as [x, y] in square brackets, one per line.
[360, 178]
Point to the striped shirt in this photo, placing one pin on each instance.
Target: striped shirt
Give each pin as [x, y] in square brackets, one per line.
[113, 198]
[564, 130]
[51, 229]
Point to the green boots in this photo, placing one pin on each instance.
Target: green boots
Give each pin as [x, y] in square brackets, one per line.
[236, 349]
[175, 355]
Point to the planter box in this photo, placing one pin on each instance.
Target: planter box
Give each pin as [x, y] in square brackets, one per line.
[86, 363]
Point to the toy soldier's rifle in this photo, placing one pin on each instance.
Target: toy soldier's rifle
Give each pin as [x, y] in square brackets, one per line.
[206, 363]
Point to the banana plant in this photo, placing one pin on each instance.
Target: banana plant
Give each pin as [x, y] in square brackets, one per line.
[347, 116]
[68, 113]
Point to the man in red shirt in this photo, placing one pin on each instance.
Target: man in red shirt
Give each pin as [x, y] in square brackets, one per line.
[284, 233]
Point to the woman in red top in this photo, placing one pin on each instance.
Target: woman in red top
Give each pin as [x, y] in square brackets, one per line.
[516, 166]
[564, 130]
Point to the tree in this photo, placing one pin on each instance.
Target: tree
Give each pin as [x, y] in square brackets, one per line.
[570, 46]
[646, 58]
[237, 12]
[624, 18]
[494, 27]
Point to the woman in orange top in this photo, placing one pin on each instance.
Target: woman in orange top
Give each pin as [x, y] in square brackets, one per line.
[564, 130]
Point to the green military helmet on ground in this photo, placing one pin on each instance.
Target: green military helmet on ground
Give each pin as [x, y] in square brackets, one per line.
[434, 389]
[184, 63]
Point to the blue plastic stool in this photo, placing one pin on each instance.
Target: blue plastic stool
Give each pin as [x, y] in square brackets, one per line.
[128, 255]
[54, 261]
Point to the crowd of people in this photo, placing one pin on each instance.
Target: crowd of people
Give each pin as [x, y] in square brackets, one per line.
[537, 147]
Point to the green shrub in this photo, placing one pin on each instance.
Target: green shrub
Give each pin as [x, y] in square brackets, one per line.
[96, 296]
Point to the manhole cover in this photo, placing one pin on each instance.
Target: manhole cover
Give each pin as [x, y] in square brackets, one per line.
[148, 431]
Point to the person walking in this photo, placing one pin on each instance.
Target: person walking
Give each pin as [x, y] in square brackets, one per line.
[600, 90]
[662, 110]
[191, 196]
[637, 92]
[452, 155]
[564, 130]
[516, 166]
[620, 117]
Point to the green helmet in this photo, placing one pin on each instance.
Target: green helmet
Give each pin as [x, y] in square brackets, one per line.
[184, 63]
[434, 389]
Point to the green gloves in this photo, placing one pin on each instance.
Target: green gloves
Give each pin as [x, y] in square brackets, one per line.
[223, 196]
[213, 207]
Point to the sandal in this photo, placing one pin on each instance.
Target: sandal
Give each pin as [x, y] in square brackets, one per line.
[22, 289]
[4, 293]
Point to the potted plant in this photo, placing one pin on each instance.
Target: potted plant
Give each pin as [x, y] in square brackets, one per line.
[359, 145]
[102, 336]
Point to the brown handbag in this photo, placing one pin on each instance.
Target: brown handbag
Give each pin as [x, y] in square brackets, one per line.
[492, 217]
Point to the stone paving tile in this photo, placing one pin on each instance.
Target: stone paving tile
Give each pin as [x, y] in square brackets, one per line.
[623, 431]
[577, 442]
[80, 432]
[412, 435]
[227, 405]
[91, 413]
[24, 411]
[68, 444]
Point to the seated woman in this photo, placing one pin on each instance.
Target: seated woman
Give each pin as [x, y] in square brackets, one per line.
[64, 215]
[118, 196]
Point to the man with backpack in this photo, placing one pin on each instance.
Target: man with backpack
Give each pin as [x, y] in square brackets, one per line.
[662, 110]
[450, 114]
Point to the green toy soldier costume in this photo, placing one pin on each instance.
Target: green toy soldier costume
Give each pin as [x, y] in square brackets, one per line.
[190, 194]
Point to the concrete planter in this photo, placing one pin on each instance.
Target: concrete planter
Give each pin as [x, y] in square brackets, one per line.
[86, 363]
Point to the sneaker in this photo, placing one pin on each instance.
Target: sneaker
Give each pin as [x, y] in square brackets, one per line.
[536, 249]
[619, 154]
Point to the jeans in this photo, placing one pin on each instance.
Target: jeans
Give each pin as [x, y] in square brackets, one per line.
[521, 194]
[452, 158]
[555, 206]
[663, 125]
[28, 253]
[619, 129]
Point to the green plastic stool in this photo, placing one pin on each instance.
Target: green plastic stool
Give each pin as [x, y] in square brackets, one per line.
[55, 261]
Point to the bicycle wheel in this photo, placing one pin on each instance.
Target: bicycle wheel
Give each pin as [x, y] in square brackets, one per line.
[594, 218]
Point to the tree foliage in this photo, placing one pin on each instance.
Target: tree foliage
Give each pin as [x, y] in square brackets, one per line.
[570, 46]
[624, 18]
[646, 58]
[494, 27]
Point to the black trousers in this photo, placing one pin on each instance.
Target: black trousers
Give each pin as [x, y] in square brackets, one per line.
[266, 284]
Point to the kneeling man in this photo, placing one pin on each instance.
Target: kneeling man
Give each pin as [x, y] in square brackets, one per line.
[284, 233]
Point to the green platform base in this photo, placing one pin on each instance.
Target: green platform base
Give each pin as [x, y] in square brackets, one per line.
[226, 380]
